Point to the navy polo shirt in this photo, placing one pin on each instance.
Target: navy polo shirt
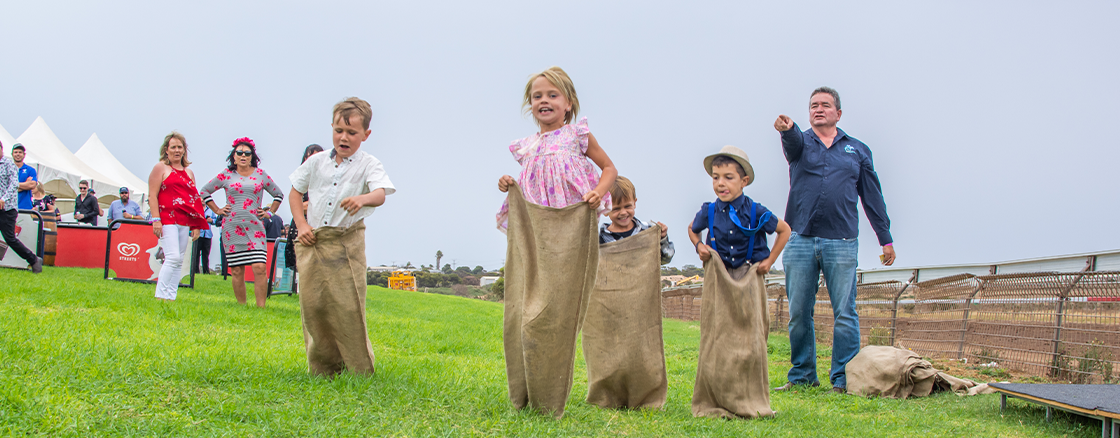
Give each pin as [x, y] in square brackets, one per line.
[731, 242]
[825, 184]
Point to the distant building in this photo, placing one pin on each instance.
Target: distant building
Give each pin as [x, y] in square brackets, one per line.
[483, 281]
[383, 268]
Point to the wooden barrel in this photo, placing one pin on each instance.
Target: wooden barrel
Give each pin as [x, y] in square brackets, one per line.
[50, 237]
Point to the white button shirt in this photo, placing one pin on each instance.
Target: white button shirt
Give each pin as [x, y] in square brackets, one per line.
[327, 183]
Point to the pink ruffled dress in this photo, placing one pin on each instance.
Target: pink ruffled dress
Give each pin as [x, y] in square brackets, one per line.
[555, 170]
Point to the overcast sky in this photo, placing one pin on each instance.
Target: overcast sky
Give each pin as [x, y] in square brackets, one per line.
[980, 114]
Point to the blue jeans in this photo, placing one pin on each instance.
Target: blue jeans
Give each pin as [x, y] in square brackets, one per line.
[804, 259]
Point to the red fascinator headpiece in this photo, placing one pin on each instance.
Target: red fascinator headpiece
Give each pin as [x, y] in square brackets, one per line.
[245, 140]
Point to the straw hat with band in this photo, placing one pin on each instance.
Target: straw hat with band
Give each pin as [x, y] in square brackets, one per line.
[736, 154]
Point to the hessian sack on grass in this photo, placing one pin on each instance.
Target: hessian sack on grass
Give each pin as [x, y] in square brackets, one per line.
[332, 301]
[885, 371]
[551, 260]
[622, 340]
[731, 377]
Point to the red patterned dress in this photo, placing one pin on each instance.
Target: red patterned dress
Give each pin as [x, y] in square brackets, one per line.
[179, 203]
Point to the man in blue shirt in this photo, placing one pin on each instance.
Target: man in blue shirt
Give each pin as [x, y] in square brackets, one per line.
[9, 185]
[828, 171]
[27, 176]
[124, 208]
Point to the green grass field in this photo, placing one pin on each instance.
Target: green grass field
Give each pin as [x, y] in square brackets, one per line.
[83, 356]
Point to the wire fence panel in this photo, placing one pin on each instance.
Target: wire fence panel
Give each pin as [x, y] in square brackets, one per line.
[1013, 321]
[1065, 326]
[1088, 339]
[876, 305]
[779, 307]
[933, 315]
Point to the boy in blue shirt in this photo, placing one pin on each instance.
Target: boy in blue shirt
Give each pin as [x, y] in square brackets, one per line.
[731, 371]
[737, 221]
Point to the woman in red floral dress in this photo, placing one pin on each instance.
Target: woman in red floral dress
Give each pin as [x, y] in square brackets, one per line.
[176, 211]
[242, 231]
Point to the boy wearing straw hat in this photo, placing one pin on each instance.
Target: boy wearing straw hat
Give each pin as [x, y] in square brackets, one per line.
[731, 373]
[734, 219]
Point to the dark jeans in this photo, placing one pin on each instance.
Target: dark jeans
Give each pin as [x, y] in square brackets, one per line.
[8, 229]
[202, 254]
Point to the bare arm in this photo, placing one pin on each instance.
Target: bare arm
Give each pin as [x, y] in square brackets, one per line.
[600, 158]
[701, 249]
[352, 204]
[27, 185]
[779, 244]
[155, 179]
[304, 233]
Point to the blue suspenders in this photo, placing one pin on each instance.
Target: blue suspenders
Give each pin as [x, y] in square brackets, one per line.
[735, 220]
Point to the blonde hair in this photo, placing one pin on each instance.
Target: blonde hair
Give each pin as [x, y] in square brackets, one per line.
[559, 79]
[167, 142]
[346, 109]
[38, 189]
[623, 190]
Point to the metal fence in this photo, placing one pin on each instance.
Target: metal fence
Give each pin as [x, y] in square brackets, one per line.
[1061, 325]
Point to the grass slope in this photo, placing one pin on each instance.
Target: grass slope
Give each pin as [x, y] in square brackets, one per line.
[82, 356]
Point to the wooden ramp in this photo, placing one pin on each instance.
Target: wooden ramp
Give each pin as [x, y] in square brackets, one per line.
[1097, 401]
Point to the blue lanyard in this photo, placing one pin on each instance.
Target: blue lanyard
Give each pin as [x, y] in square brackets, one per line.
[735, 220]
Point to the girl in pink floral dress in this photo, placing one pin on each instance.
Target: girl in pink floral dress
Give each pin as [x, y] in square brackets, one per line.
[243, 236]
[555, 171]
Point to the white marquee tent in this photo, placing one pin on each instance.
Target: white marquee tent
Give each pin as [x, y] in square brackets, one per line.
[95, 154]
[60, 170]
[7, 140]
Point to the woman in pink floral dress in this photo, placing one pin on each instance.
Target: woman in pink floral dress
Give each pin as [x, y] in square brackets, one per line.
[555, 171]
[242, 231]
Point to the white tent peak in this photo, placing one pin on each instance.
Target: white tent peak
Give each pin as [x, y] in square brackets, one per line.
[59, 169]
[6, 139]
[96, 155]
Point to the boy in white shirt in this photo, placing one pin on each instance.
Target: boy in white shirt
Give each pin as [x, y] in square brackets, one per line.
[344, 186]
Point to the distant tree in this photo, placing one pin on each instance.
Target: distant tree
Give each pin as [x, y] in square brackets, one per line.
[432, 279]
[690, 270]
[478, 270]
[375, 278]
[670, 270]
[470, 280]
[463, 270]
[499, 288]
[447, 269]
[439, 255]
[408, 266]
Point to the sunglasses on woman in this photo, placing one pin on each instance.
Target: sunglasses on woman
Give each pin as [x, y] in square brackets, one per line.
[244, 153]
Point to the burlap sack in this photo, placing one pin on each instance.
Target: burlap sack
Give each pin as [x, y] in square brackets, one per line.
[622, 332]
[332, 301]
[732, 379]
[550, 270]
[891, 372]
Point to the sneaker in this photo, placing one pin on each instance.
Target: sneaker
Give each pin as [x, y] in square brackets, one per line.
[37, 267]
[839, 390]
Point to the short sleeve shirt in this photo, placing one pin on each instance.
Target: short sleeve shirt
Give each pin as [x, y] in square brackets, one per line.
[26, 172]
[117, 210]
[327, 183]
[730, 241]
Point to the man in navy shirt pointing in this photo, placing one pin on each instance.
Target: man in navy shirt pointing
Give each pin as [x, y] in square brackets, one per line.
[829, 172]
